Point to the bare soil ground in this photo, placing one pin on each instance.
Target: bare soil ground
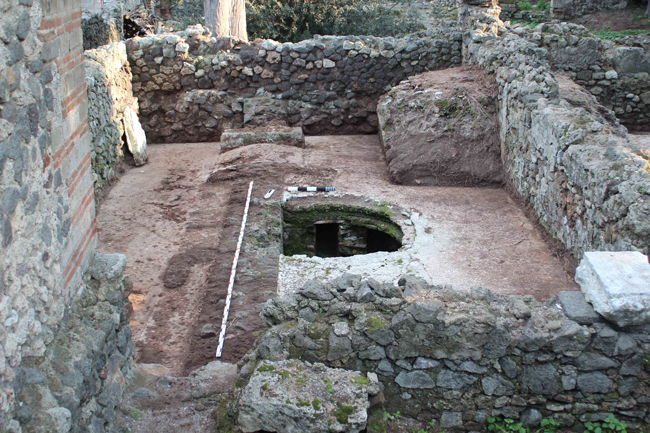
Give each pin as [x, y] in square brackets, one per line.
[631, 18]
[179, 232]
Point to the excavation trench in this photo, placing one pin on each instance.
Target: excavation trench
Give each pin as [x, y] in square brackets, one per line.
[183, 213]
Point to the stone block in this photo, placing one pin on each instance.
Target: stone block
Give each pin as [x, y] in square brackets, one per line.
[233, 138]
[293, 396]
[617, 284]
[577, 308]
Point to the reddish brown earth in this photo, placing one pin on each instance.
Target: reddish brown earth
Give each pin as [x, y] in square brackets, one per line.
[177, 219]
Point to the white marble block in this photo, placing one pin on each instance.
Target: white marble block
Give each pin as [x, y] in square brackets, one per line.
[617, 284]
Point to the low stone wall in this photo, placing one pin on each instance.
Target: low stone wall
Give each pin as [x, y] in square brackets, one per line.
[618, 75]
[109, 88]
[571, 8]
[459, 357]
[564, 154]
[192, 87]
[77, 384]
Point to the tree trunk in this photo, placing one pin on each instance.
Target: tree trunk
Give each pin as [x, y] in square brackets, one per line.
[217, 16]
[238, 20]
[647, 10]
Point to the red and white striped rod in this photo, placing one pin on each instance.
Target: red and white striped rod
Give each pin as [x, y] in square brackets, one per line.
[233, 271]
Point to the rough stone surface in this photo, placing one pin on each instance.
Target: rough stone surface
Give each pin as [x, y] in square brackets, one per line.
[440, 128]
[233, 138]
[617, 284]
[577, 308]
[110, 94]
[295, 396]
[546, 360]
[136, 139]
[325, 90]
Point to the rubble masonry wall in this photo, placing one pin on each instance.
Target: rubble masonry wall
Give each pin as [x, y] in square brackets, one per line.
[191, 87]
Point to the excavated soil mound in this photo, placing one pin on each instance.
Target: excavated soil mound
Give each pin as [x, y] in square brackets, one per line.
[440, 128]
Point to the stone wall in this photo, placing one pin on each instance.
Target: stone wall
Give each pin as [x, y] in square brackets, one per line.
[77, 384]
[571, 8]
[617, 74]
[47, 213]
[564, 154]
[191, 87]
[108, 79]
[458, 357]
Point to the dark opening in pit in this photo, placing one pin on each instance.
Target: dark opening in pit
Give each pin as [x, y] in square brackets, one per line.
[327, 240]
[338, 230]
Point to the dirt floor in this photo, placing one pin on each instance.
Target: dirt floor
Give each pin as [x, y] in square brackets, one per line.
[179, 234]
[631, 18]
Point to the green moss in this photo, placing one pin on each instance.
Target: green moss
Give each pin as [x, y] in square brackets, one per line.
[303, 403]
[342, 413]
[266, 368]
[283, 373]
[375, 323]
[316, 404]
[645, 361]
[360, 380]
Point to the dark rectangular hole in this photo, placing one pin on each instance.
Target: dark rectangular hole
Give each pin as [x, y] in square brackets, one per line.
[327, 240]
[380, 241]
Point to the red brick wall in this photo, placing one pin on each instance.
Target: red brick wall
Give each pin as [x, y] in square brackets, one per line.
[61, 34]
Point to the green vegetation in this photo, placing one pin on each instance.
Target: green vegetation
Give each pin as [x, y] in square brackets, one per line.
[375, 323]
[342, 413]
[524, 6]
[360, 380]
[608, 34]
[328, 387]
[609, 425]
[266, 368]
[316, 404]
[507, 425]
[296, 20]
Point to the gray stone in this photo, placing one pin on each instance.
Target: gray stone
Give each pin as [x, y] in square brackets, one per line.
[23, 26]
[388, 290]
[214, 378]
[594, 382]
[577, 308]
[302, 340]
[339, 347]
[631, 367]
[107, 267]
[593, 361]
[497, 385]
[451, 419]
[341, 329]
[509, 367]
[143, 393]
[414, 379]
[425, 311]
[452, 380]
[307, 314]
[539, 379]
[233, 138]
[366, 294]
[531, 417]
[472, 367]
[616, 284]
[385, 368]
[16, 52]
[628, 386]
[208, 330]
[277, 402]
[422, 363]
[498, 343]
[314, 290]
[625, 345]
[62, 419]
[571, 339]
[270, 347]
[630, 60]
[376, 353]
[569, 382]
[403, 363]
